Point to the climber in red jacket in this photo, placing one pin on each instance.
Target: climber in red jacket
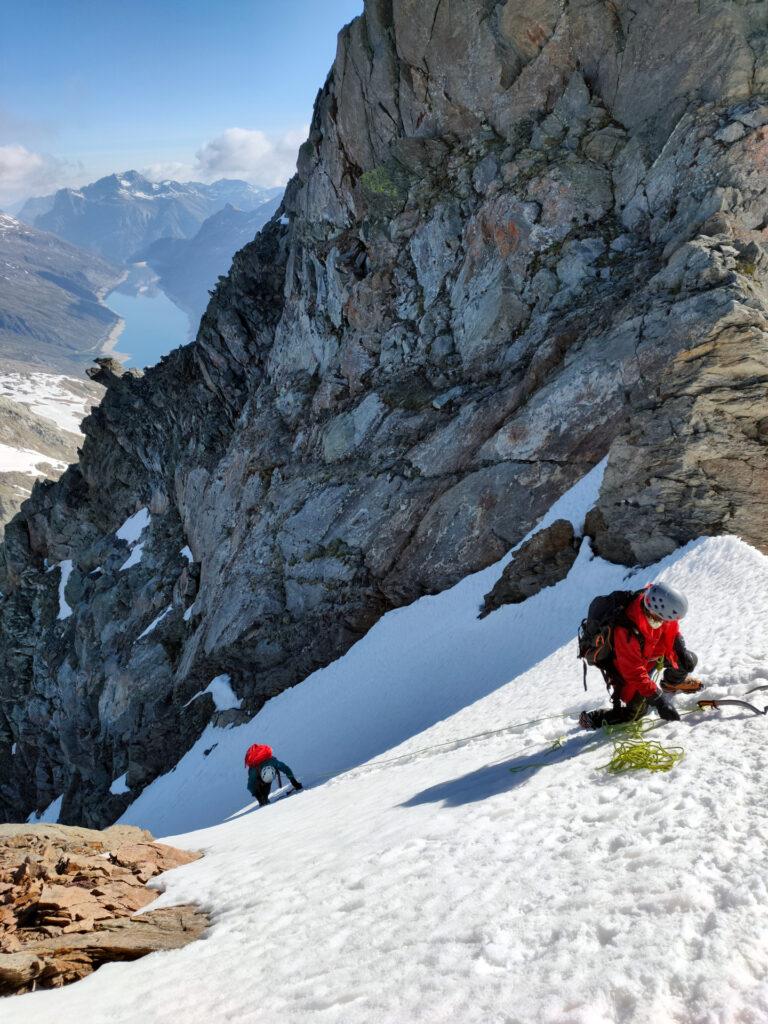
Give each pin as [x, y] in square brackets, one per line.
[263, 768]
[648, 638]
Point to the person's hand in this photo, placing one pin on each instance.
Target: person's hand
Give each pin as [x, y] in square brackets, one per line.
[664, 709]
[297, 785]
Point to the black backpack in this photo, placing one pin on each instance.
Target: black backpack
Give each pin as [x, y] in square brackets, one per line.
[605, 612]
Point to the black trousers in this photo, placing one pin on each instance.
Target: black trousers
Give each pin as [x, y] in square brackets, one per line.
[687, 661]
[263, 788]
[638, 706]
[262, 791]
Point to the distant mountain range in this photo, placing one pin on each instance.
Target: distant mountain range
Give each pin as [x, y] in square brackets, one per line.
[120, 215]
[54, 274]
[189, 268]
[51, 316]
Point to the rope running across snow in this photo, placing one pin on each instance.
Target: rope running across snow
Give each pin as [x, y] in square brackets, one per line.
[632, 752]
[445, 745]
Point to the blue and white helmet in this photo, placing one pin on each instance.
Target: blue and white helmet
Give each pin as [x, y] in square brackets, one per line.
[267, 773]
[665, 603]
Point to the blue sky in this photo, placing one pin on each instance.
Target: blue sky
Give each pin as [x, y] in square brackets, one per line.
[88, 87]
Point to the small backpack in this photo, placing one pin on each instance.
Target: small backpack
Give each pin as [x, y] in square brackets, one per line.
[605, 612]
[256, 753]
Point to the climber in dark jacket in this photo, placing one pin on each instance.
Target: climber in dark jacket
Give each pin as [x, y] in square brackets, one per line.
[654, 639]
[263, 768]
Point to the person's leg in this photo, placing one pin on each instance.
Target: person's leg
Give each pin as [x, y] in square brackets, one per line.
[687, 661]
[262, 792]
[618, 715]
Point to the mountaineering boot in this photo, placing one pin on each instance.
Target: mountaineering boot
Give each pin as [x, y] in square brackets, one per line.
[688, 685]
[586, 721]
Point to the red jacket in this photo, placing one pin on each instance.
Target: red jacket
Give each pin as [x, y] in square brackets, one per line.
[633, 663]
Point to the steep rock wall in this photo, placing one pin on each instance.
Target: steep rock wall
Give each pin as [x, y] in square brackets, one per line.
[521, 236]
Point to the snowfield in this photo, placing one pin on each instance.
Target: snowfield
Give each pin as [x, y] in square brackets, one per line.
[447, 864]
[55, 399]
[53, 396]
[26, 461]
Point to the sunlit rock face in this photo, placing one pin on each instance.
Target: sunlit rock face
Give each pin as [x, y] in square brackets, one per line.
[70, 898]
[522, 237]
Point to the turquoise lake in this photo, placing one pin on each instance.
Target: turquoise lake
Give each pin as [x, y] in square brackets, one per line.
[153, 326]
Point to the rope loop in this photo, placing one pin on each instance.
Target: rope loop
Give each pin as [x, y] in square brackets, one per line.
[633, 752]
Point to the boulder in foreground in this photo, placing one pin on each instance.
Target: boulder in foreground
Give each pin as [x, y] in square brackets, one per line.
[67, 896]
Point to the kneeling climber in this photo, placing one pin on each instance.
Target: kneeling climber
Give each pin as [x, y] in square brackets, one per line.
[644, 636]
[263, 769]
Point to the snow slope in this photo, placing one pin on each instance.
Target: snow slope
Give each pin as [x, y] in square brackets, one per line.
[429, 882]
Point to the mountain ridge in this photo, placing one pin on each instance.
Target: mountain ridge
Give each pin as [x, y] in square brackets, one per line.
[121, 213]
[188, 268]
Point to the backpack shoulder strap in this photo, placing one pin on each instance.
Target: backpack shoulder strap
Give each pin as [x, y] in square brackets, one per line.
[624, 621]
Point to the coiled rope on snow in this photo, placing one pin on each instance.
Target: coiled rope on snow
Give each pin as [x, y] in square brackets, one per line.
[633, 752]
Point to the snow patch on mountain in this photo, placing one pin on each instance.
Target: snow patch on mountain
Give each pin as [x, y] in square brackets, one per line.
[8, 223]
[131, 532]
[220, 689]
[55, 397]
[49, 816]
[66, 571]
[120, 785]
[26, 461]
[155, 622]
[134, 526]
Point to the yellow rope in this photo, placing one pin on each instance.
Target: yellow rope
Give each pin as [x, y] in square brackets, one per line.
[636, 753]
[559, 742]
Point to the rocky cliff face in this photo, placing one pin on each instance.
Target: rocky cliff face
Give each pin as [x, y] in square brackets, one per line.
[522, 236]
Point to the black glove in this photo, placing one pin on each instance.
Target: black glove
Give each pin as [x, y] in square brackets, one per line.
[296, 785]
[664, 709]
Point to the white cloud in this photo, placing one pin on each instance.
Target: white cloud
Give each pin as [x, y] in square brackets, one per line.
[24, 173]
[259, 158]
[253, 155]
[169, 170]
[239, 153]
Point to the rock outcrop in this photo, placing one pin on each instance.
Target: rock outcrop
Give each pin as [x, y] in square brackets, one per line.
[68, 898]
[522, 236]
[541, 562]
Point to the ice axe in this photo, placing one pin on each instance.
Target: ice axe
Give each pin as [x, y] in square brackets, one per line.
[732, 701]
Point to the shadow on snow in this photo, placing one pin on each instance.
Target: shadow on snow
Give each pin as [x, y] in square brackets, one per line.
[499, 778]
